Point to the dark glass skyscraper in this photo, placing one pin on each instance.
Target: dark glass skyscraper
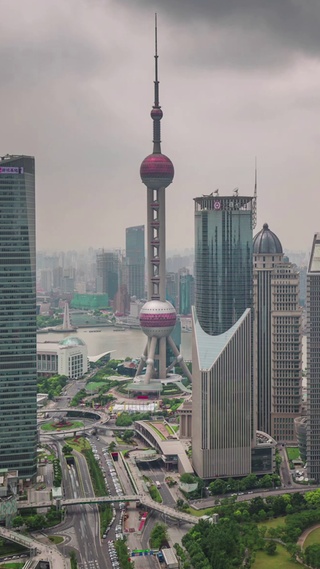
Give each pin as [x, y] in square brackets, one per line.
[223, 423]
[223, 260]
[18, 363]
[135, 258]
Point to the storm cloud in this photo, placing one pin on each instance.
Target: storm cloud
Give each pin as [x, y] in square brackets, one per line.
[238, 79]
[241, 33]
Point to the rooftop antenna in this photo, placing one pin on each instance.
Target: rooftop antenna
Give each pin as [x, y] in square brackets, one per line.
[156, 80]
[255, 195]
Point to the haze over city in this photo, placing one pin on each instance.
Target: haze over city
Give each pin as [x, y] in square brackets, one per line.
[237, 80]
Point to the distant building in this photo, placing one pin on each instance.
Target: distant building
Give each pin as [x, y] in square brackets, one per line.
[135, 261]
[46, 279]
[108, 273]
[121, 303]
[68, 357]
[186, 292]
[172, 288]
[313, 362]
[18, 367]
[278, 340]
[90, 301]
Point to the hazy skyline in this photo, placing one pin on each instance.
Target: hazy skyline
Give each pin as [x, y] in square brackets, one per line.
[238, 79]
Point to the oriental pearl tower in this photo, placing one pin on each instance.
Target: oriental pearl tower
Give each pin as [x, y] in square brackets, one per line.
[158, 316]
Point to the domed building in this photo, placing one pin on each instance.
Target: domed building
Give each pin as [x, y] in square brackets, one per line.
[267, 248]
[277, 333]
[68, 357]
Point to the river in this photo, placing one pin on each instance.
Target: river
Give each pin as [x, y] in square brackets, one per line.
[129, 343]
[122, 344]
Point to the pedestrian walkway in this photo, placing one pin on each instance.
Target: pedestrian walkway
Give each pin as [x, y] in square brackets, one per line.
[39, 551]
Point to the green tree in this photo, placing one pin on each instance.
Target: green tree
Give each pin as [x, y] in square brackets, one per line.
[67, 449]
[312, 555]
[218, 486]
[271, 547]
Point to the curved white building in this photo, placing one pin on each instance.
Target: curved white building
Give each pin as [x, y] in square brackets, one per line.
[68, 357]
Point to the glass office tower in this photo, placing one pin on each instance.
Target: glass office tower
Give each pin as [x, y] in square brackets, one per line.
[135, 256]
[223, 423]
[18, 354]
[223, 261]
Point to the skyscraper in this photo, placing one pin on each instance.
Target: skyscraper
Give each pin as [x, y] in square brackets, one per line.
[313, 361]
[135, 259]
[186, 291]
[108, 273]
[158, 316]
[223, 423]
[278, 342]
[18, 342]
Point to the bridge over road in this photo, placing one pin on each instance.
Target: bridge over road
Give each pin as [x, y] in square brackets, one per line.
[143, 499]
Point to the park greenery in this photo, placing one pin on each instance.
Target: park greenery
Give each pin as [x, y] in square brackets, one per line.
[122, 553]
[155, 494]
[99, 488]
[53, 385]
[49, 321]
[79, 396]
[158, 536]
[245, 530]
[249, 482]
[73, 560]
[126, 419]
[33, 521]
[57, 473]
[171, 404]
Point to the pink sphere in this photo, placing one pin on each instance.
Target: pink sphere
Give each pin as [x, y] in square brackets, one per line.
[157, 171]
[157, 318]
[156, 114]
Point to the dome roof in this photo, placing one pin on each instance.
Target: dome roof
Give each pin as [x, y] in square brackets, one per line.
[72, 342]
[266, 242]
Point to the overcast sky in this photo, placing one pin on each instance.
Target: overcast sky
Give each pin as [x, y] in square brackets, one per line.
[238, 79]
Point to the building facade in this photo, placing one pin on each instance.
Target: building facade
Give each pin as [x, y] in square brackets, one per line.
[68, 357]
[108, 273]
[223, 413]
[313, 362]
[186, 292]
[278, 338]
[135, 261]
[18, 367]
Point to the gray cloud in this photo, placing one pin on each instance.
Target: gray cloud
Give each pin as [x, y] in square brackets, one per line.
[76, 91]
[240, 33]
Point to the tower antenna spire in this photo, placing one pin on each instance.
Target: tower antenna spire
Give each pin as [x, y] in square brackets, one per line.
[255, 195]
[156, 113]
[156, 79]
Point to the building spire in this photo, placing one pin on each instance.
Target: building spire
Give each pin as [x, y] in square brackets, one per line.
[255, 195]
[156, 113]
[156, 80]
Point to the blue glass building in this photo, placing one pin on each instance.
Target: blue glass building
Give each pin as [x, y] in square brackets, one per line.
[223, 423]
[18, 351]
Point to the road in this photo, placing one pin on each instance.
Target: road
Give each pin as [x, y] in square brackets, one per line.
[82, 524]
[157, 473]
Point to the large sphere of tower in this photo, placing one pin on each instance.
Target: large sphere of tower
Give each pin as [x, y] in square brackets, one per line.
[157, 171]
[157, 318]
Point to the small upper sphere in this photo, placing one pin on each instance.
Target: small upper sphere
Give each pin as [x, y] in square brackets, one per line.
[157, 318]
[157, 171]
[156, 114]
